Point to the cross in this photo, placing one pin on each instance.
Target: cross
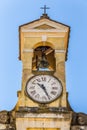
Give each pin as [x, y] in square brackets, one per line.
[45, 8]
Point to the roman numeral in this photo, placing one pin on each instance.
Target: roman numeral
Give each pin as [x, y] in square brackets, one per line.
[39, 80]
[32, 87]
[53, 92]
[53, 83]
[49, 80]
[37, 96]
[54, 88]
[44, 98]
[43, 78]
[33, 82]
[33, 92]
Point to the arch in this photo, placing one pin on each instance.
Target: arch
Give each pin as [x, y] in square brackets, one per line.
[44, 58]
[44, 44]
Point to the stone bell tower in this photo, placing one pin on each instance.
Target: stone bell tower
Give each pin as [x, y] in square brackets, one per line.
[42, 101]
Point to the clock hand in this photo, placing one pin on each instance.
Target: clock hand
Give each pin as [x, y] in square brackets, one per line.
[40, 85]
[43, 87]
[46, 92]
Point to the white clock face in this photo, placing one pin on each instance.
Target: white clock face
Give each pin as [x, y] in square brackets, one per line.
[43, 88]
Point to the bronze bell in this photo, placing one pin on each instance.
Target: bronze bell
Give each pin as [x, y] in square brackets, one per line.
[42, 61]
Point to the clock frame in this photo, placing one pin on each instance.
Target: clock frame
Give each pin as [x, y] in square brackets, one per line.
[43, 88]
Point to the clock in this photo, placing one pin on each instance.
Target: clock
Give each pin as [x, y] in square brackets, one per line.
[43, 88]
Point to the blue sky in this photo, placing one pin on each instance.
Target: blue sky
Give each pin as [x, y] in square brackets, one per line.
[15, 13]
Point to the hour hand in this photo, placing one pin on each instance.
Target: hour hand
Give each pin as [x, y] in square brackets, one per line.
[40, 85]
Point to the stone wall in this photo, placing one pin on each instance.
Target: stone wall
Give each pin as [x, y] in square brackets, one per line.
[8, 121]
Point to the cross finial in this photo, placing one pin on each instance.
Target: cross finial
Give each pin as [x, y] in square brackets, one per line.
[45, 8]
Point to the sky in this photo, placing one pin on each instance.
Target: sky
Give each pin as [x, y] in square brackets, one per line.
[14, 13]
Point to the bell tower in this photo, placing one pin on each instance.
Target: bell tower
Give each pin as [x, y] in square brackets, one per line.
[42, 101]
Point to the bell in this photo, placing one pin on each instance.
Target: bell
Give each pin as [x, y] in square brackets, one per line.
[44, 63]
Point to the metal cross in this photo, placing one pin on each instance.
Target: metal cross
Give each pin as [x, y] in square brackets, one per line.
[45, 8]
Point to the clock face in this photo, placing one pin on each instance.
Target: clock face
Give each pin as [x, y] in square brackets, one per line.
[43, 88]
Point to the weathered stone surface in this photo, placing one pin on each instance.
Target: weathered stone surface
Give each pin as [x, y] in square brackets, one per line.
[82, 119]
[77, 127]
[4, 117]
[79, 119]
[40, 121]
[7, 121]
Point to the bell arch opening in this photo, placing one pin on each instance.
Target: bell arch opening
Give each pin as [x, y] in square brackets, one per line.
[44, 44]
[43, 59]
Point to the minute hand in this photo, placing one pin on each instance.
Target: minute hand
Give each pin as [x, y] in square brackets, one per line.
[42, 86]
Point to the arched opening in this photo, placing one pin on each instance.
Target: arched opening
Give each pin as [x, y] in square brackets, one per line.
[43, 59]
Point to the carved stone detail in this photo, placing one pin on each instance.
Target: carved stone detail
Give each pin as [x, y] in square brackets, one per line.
[79, 119]
[7, 121]
[4, 117]
[82, 119]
